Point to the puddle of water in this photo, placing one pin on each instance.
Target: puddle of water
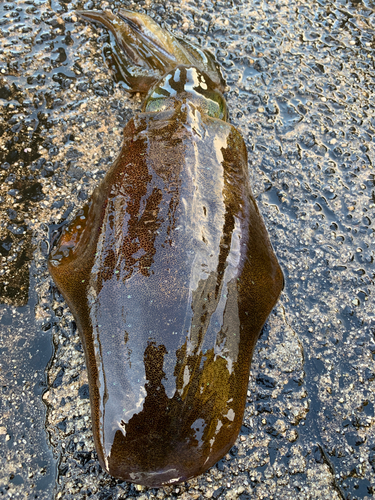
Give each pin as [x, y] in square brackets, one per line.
[29, 467]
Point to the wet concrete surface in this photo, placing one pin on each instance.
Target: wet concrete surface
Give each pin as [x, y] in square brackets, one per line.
[300, 81]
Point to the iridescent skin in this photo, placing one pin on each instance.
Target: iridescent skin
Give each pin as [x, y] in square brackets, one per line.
[170, 275]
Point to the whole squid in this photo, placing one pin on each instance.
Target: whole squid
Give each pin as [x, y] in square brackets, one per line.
[168, 269]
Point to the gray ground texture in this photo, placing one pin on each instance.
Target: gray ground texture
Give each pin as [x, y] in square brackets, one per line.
[300, 78]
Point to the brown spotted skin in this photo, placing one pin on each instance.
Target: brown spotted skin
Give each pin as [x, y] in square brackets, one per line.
[170, 275]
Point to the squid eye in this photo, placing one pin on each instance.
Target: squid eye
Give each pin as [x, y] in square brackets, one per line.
[155, 104]
[216, 105]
